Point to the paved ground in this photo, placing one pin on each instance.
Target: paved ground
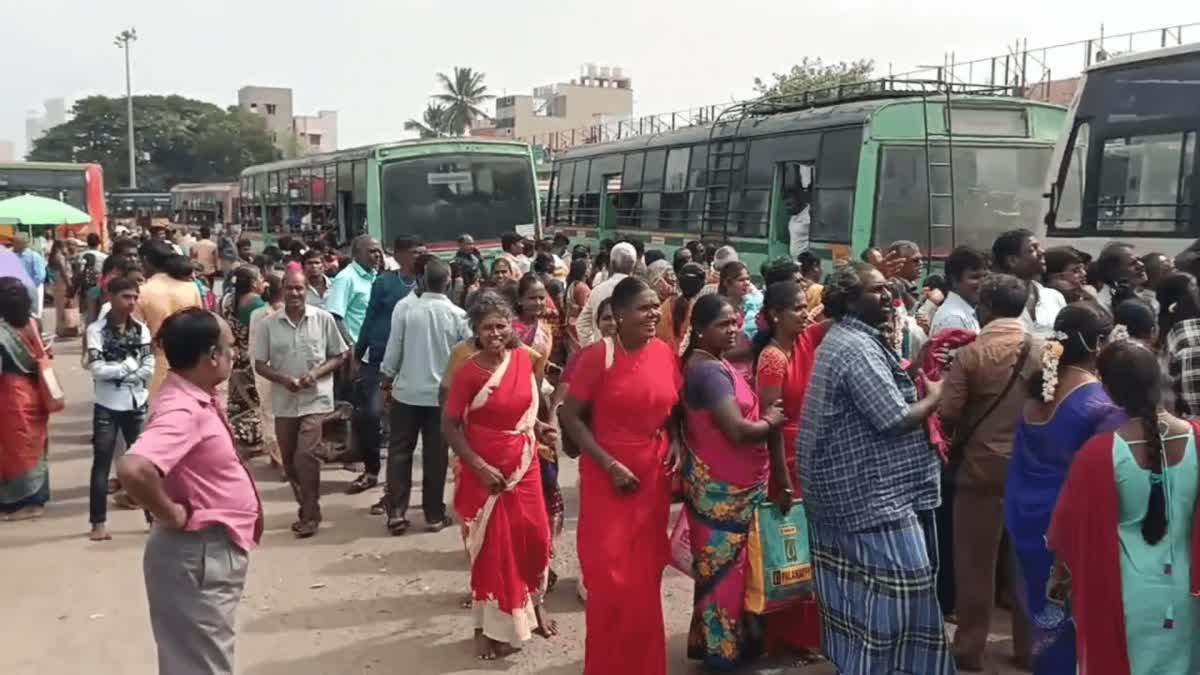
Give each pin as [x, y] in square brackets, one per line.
[351, 600]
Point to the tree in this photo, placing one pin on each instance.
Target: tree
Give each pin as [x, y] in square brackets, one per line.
[178, 140]
[463, 96]
[433, 122]
[815, 74]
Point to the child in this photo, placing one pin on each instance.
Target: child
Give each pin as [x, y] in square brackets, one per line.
[122, 363]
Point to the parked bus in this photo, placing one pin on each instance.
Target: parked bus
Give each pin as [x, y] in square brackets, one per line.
[434, 189]
[80, 185]
[1126, 167]
[204, 203]
[857, 160]
[132, 209]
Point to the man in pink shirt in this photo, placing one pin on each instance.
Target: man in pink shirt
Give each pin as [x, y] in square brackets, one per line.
[186, 471]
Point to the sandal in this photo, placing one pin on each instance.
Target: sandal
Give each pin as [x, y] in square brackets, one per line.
[379, 507]
[397, 526]
[305, 529]
[362, 484]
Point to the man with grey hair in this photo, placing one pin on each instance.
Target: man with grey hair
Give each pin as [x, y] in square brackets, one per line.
[35, 267]
[906, 259]
[350, 292]
[622, 259]
[424, 331]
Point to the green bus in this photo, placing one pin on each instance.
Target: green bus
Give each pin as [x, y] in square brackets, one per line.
[435, 189]
[941, 165]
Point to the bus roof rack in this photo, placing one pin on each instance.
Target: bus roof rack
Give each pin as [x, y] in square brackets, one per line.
[867, 90]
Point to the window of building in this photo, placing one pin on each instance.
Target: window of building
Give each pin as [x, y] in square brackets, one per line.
[270, 108]
[314, 140]
[1145, 183]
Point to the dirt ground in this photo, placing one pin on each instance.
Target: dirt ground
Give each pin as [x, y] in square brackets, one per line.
[350, 600]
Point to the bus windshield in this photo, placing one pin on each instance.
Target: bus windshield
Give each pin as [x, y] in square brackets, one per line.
[996, 189]
[440, 197]
[1127, 164]
[65, 186]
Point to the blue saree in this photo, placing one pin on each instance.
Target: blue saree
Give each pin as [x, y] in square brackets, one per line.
[1042, 454]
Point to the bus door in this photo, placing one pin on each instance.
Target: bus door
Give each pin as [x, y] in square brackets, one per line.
[791, 199]
[606, 226]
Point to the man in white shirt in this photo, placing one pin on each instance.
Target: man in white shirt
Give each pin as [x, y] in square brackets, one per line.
[621, 261]
[1019, 253]
[798, 225]
[423, 333]
[966, 268]
[121, 361]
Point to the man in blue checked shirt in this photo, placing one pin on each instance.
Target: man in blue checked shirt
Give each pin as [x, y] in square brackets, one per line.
[870, 487]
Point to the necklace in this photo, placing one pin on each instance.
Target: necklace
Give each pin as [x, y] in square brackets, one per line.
[1085, 371]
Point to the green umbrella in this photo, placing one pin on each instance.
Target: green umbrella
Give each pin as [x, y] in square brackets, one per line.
[34, 210]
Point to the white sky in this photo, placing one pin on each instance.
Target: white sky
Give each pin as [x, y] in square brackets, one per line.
[374, 61]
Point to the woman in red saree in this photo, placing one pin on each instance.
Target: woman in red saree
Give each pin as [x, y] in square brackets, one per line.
[627, 388]
[24, 474]
[534, 328]
[490, 420]
[786, 351]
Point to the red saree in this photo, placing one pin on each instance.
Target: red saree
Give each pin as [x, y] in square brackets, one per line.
[23, 436]
[507, 535]
[799, 627]
[623, 544]
[1083, 535]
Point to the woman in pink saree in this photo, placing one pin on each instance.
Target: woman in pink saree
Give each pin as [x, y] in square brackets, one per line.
[726, 475]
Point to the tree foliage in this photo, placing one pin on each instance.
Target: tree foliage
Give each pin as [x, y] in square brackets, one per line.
[463, 95]
[178, 140]
[434, 122]
[813, 73]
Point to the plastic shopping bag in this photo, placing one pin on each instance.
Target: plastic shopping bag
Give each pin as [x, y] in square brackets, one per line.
[681, 545]
[780, 558]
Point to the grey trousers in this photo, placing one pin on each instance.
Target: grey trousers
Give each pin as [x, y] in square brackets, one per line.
[194, 583]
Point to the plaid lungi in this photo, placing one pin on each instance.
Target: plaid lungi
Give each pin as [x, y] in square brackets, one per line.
[878, 595]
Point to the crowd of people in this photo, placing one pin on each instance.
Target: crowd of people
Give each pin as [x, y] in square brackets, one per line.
[1015, 431]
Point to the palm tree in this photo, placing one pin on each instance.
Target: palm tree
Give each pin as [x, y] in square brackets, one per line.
[464, 93]
[432, 123]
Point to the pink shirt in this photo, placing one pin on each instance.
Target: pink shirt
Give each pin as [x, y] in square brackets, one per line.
[188, 438]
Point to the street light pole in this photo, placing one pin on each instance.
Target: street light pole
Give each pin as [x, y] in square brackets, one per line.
[122, 42]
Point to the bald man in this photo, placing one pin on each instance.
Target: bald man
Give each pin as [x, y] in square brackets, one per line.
[298, 349]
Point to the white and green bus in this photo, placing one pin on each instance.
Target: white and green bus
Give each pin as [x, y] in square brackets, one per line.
[1127, 166]
[937, 164]
[433, 189]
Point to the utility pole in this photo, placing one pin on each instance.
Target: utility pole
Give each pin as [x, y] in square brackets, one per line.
[122, 42]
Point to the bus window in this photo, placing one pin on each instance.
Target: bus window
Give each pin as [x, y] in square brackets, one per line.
[1069, 209]
[439, 197]
[675, 197]
[656, 161]
[1141, 182]
[836, 177]
[795, 202]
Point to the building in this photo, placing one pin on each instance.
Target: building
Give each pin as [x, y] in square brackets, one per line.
[293, 134]
[1058, 92]
[317, 133]
[8, 151]
[37, 123]
[602, 94]
[274, 104]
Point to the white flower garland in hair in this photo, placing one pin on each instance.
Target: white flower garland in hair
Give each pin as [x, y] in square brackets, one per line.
[1051, 352]
[1120, 333]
